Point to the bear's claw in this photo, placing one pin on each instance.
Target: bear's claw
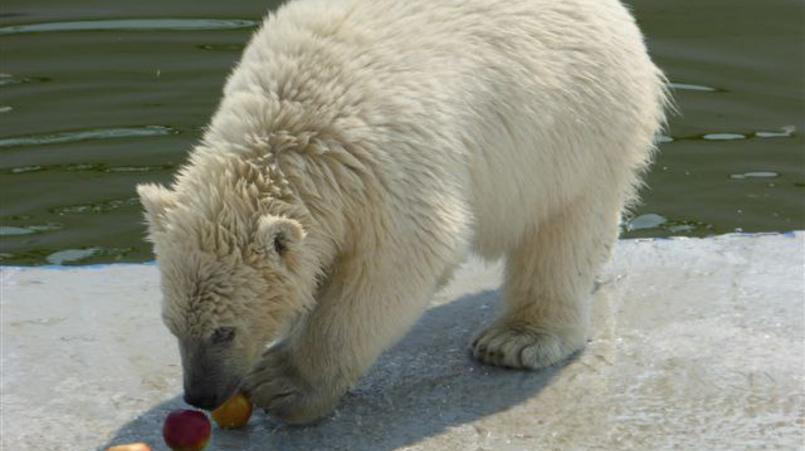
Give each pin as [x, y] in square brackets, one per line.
[277, 386]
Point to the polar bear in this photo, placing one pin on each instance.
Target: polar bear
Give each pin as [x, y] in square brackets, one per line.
[361, 149]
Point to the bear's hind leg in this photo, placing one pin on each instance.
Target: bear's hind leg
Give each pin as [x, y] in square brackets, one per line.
[548, 282]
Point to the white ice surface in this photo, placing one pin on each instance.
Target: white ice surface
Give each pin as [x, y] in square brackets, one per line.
[697, 344]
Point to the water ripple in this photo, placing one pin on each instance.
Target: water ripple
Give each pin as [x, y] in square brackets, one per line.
[8, 79]
[97, 207]
[26, 169]
[723, 136]
[132, 25]
[755, 175]
[647, 221]
[692, 87]
[29, 230]
[222, 47]
[653, 221]
[71, 255]
[94, 167]
[786, 131]
[15, 231]
[84, 135]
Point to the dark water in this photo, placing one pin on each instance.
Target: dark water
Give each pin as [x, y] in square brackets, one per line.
[97, 96]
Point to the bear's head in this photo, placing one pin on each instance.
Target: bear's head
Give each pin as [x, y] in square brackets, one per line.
[232, 282]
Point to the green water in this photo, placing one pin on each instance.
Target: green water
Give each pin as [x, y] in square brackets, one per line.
[97, 96]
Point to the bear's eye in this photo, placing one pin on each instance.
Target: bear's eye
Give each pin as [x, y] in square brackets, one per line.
[223, 335]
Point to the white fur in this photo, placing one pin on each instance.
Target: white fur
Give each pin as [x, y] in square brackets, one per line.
[398, 136]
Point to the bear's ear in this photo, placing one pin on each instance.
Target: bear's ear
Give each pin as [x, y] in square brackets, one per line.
[156, 199]
[278, 234]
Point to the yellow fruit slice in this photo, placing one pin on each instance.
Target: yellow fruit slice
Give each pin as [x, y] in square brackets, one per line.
[130, 447]
[234, 413]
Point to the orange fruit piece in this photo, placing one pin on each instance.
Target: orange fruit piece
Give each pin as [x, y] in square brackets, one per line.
[234, 413]
[130, 447]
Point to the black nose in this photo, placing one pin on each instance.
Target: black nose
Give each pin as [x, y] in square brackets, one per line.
[200, 400]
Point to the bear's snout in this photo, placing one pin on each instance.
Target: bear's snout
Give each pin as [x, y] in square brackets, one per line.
[201, 400]
[207, 393]
[208, 381]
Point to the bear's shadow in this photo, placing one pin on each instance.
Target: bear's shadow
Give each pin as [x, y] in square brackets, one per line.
[419, 388]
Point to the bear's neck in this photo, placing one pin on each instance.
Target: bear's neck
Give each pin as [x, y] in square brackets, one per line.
[312, 186]
[303, 160]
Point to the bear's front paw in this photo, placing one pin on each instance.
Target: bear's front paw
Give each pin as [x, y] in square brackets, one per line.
[276, 385]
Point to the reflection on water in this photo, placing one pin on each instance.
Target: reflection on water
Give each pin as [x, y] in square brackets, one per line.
[74, 144]
[83, 135]
[96, 208]
[647, 221]
[132, 25]
[658, 225]
[723, 136]
[785, 132]
[756, 175]
[222, 47]
[70, 255]
[25, 169]
[8, 79]
[13, 231]
[691, 87]
[96, 167]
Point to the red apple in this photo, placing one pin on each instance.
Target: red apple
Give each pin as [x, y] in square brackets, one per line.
[186, 430]
[234, 413]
